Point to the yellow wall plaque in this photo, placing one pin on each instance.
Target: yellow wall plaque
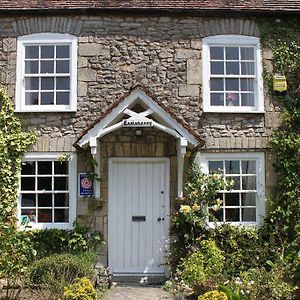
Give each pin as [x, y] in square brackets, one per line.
[279, 83]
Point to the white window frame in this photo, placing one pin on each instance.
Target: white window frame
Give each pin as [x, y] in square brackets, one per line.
[44, 39]
[203, 158]
[232, 40]
[72, 183]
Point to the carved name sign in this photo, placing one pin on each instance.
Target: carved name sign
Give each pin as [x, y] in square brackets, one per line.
[138, 122]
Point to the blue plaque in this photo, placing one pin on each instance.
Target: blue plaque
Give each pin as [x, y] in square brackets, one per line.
[86, 187]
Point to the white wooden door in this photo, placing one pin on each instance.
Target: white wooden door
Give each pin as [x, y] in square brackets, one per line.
[138, 215]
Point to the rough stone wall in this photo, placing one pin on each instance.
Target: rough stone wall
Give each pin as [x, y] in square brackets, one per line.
[161, 53]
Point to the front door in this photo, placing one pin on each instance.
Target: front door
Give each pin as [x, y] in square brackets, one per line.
[138, 215]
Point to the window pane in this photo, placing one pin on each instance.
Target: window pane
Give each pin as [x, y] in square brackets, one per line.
[60, 167]
[232, 53]
[62, 66]
[31, 51]
[248, 214]
[231, 84]
[216, 84]
[232, 167]
[61, 215]
[218, 215]
[47, 51]
[247, 53]
[217, 99]
[232, 199]
[61, 199]
[31, 84]
[47, 66]
[217, 53]
[215, 166]
[232, 68]
[62, 83]
[47, 98]
[28, 200]
[45, 215]
[247, 84]
[44, 167]
[232, 214]
[60, 183]
[248, 199]
[44, 183]
[62, 98]
[248, 166]
[249, 182]
[31, 98]
[30, 213]
[236, 182]
[217, 67]
[248, 99]
[31, 67]
[44, 200]
[232, 99]
[62, 51]
[28, 184]
[28, 168]
[47, 83]
[247, 68]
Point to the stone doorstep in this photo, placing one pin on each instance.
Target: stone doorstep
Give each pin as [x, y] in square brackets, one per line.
[139, 280]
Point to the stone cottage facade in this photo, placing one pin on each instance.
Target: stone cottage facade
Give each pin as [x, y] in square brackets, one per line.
[126, 92]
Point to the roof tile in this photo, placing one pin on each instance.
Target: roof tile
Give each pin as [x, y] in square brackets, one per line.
[267, 5]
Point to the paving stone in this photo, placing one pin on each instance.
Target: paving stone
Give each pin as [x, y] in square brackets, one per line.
[137, 293]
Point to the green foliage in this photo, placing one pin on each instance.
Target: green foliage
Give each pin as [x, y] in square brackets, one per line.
[75, 241]
[205, 264]
[213, 295]
[243, 247]
[13, 144]
[82, 289]
[283, 222]
[57, 271]
[190, 222]
[231, 295]
[16, 254]
[264, 285]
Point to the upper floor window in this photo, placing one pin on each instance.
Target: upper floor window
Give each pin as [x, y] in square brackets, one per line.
[46, 72]
[232, 79]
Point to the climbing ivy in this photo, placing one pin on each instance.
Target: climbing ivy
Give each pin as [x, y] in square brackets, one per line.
[282, 36]
[13, 144]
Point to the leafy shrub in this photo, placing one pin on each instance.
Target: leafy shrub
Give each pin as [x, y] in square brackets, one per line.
[16, 254]
[75, 241]
[190, 222]
[264, 285]
[81, 289]
[57, 271]
[234, 292]
[204, 265]
[242, 247]
[213, 295]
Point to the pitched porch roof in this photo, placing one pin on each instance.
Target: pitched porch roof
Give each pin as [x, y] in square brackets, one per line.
[161, 113]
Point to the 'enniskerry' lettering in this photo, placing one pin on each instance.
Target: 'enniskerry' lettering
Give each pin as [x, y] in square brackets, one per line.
[137, 123]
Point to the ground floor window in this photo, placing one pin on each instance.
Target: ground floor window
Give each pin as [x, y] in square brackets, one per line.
[244, 203]
[48, 190]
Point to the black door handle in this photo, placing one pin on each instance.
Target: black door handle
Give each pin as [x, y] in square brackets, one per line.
[160, 219]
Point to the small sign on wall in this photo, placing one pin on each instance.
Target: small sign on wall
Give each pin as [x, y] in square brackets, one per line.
[86, 186]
